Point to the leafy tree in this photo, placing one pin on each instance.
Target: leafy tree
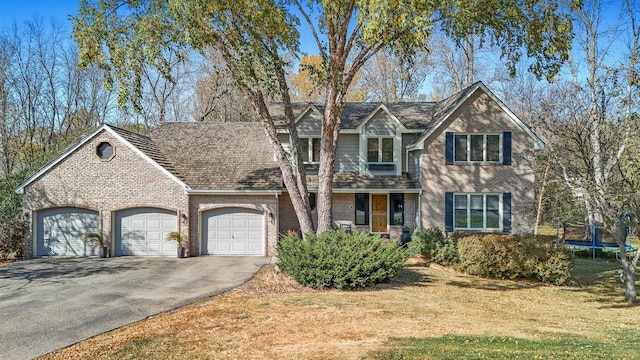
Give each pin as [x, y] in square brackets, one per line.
[303, 83]
[591, 121]
[123, 37]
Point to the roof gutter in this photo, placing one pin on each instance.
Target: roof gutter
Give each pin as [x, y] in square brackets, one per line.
[232, 192]
[371, 191]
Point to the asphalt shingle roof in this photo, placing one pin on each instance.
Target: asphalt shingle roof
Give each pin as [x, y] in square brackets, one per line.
[220, 156]
[238, 155]
[343, 180]
[148, 147]
[413, 115]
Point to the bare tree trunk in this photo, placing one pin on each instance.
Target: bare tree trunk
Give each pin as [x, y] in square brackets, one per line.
[293, 178]
[541, 191]
[327, 160]
[628, 265]
[297, 196]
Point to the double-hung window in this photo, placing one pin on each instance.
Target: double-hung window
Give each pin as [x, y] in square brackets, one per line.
[310, 149]
[476, 211]
[380, 150]
[477, 148]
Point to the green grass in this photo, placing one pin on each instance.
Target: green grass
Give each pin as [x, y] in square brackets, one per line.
[483, 347]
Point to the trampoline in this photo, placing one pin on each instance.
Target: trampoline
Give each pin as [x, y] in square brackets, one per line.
[590, 236]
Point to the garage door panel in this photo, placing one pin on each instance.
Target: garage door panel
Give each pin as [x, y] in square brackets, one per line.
[240, 223]
[143, 231]
[233, 231]
[255, 247]
[223, 224]
[60, 231]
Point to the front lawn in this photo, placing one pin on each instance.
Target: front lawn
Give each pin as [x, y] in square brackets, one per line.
[427, 312]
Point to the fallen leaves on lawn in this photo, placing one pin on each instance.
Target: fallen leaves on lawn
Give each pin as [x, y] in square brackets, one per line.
[273, 317]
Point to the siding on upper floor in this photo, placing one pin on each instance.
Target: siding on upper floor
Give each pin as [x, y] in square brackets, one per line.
[381, 124]
[406, 140]
[310, 124]
[347, 153]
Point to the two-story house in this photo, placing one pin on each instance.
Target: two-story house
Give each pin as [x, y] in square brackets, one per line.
[464, 163]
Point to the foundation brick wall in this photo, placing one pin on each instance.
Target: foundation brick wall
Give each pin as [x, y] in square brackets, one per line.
[479, 115]
[84, 180]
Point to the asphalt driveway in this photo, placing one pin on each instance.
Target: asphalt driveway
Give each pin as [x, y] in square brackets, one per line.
[49, 303]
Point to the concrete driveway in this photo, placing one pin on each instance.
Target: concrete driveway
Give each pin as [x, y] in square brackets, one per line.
[50, 303]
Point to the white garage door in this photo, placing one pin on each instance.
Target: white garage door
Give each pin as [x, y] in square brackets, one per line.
[143, 231]
[60, 231]
[233, 231]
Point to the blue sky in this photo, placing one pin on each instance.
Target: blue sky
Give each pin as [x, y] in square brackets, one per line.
[21, 10]
[59, 10]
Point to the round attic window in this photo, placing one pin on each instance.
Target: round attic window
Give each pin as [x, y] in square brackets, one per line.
[105, 151]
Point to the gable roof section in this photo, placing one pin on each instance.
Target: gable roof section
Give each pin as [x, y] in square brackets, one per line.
[412, 115]
[310, 108]
[449, 105]
[232, 157]
[140, 144]
[375, 111]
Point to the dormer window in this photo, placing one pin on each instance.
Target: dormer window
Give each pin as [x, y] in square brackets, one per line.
[380, 150]
[310, 149]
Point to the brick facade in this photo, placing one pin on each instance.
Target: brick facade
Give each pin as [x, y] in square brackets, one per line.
[478, 115]
[84, 180]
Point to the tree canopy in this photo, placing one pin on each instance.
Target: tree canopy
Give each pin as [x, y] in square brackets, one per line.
[252, 38]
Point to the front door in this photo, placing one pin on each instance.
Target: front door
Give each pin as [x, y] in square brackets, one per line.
[379, 214]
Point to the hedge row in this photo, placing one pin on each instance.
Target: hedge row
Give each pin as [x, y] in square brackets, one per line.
[499, 256]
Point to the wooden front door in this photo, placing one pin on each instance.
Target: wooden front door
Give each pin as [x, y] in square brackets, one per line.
[379, 213]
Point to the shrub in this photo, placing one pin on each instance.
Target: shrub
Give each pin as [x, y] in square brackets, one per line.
[341, 260]
[515, 257]
[435, 247]
[12, 234]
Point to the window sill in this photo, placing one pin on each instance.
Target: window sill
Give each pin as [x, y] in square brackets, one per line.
[470, 163]
[477, 230]
[381, 166]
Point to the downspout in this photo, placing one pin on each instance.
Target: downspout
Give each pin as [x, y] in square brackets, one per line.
[419, 212]
[277, 222]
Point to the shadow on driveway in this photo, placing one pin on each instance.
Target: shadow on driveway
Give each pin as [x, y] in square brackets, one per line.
[51, 303]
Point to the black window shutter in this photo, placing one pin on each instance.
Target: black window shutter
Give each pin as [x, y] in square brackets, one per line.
[448, 149]
[448, 211]
[506, 212]
[506, 148]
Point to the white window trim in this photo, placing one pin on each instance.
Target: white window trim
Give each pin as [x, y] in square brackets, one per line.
[380, 149]
[484, 212]
[484, 148]
[310, 147]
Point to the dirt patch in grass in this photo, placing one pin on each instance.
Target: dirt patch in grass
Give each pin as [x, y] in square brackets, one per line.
[273, 317]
